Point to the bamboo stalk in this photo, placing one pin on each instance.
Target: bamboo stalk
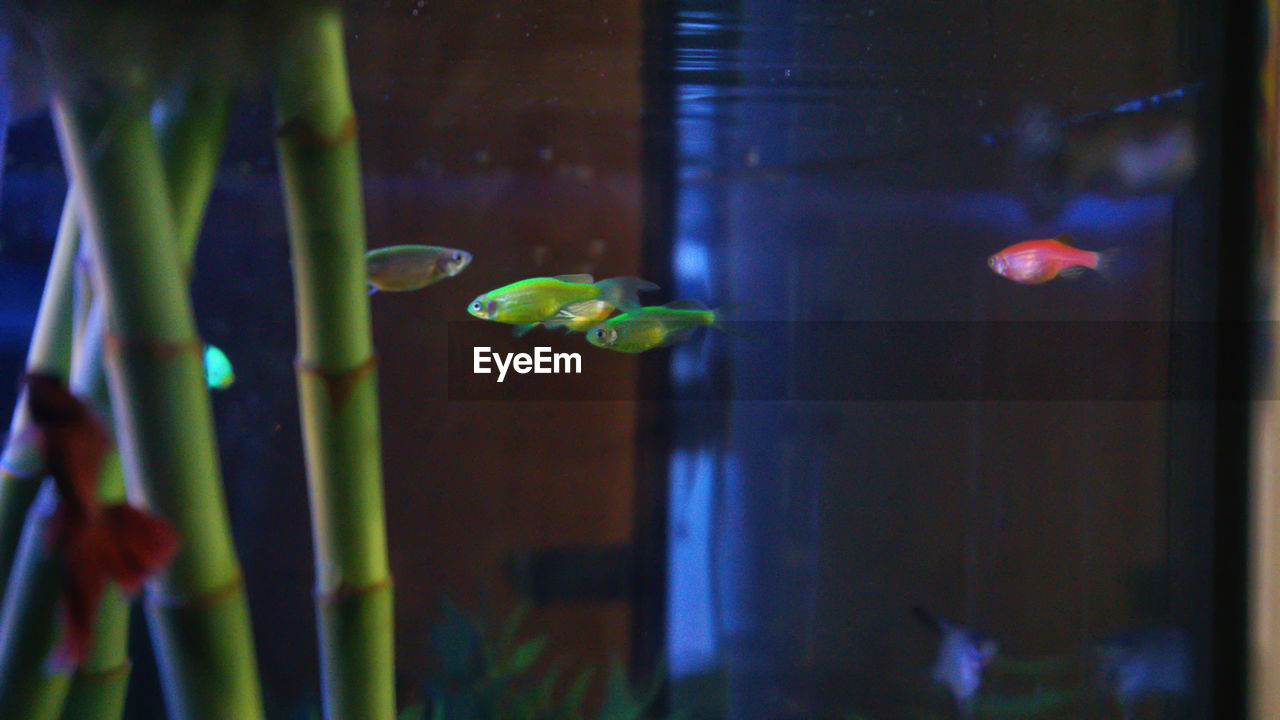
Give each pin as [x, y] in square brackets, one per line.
[97, 687]
[192, 145]
[30, 688]
[21, 467]
[28, 625]
[196, 608]
[337, 388]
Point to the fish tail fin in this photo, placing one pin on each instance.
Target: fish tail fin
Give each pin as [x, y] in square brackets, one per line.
[82, 589]
[123, 544]
[931, 621]
[624, 292]
[726, 319]
[1117, 264]
[134, 544]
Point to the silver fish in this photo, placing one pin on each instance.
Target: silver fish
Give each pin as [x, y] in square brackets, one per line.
[962, 654]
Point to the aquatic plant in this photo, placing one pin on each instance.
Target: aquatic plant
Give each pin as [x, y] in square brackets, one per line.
[486, 675]
[140, 193]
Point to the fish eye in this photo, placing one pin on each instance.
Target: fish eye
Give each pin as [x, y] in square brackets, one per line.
[457, 257]
[476, 305]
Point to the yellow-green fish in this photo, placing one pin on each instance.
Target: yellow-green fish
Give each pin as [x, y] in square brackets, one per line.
[650, 327]
[411, 267]
[543, 298]
[574, 317]
[217, 369]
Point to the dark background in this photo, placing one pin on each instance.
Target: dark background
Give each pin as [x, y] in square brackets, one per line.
[759, 513]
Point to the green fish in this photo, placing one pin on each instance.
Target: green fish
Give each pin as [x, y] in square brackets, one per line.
[411, 267]
[217, 369]
[542, 299]
[650, 327]
[574, 317]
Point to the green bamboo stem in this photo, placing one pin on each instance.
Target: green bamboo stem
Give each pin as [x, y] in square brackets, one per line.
[21, 467]
[192, 145]
[29, 625]
[81, 294]
[29, 687]
[196, 608]
[337, 388]
[97, 686]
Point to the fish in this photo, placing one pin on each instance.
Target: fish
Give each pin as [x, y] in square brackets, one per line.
[1147, 663]
[962, 654]
[651, 327]
[218, 374]
[1143, 146]
[116, 542]
[540, 299]
[1034, 262]
[574, 317]
[401, 268]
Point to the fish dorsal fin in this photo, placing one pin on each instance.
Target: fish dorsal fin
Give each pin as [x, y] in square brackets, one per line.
[1065, 239]
[581, 278]
[686, 305]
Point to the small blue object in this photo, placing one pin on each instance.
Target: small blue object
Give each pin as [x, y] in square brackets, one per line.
[217, 369]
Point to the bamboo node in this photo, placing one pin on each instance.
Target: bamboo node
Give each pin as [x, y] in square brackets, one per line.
[209, 598]
[105, 674]
[115, 344]
[338, 383]
[303, 133]
[346, 591]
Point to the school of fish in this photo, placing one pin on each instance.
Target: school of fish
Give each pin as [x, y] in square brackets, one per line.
[578, 303]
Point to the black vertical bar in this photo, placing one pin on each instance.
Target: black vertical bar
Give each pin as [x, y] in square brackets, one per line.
[1239, 43]
[654, 410]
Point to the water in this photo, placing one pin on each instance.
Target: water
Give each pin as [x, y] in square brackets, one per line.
[751, 516]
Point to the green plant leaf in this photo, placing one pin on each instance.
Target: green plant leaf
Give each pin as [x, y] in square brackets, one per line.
[1028, 705]
[507, 635]
[619, 703]
[456, 639]
[577, 691]
[544, 693]
[417, 711]
[524, 656]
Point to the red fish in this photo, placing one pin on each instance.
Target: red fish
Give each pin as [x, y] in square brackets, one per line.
[1039, 261]
[117, 542]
